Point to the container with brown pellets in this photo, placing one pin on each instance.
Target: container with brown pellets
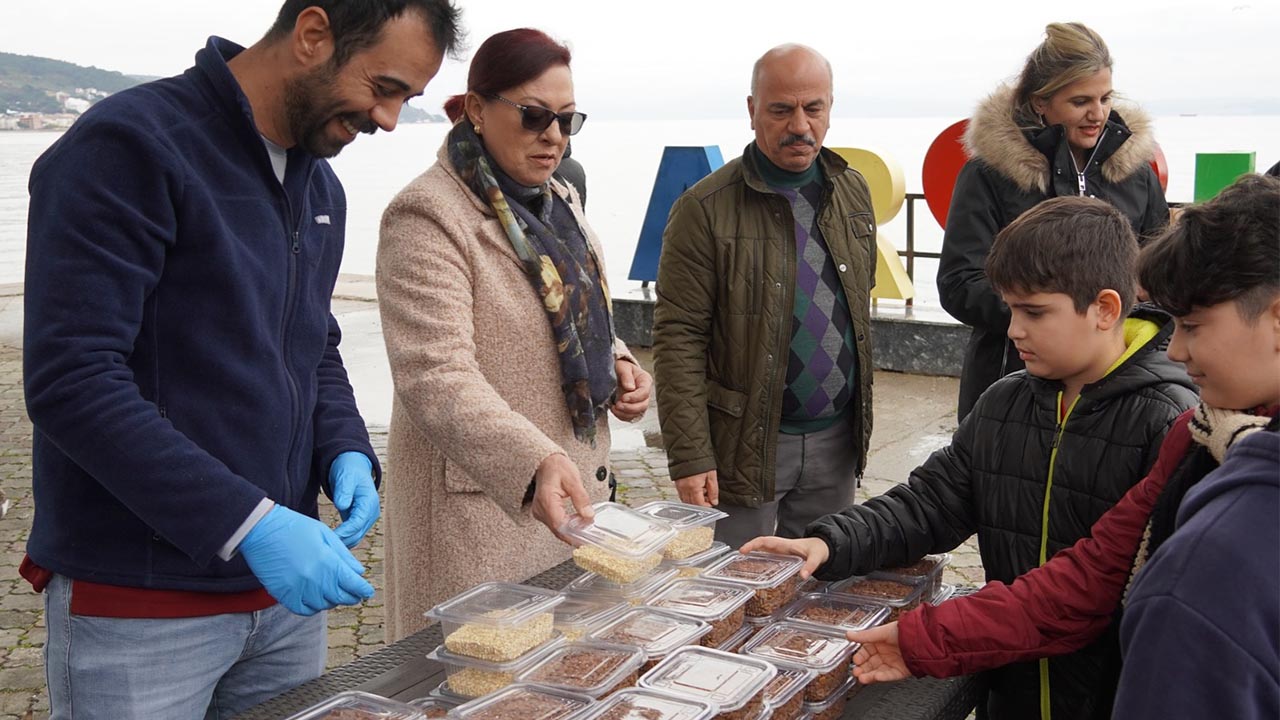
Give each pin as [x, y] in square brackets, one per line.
[736, 640]
[355, 705]
[632, 593]
[893, 594]
[825, 651]
[733, 683]
[695, 526]
[696, 564]
[581, 613]
[468, 678]
[773, 577]
[832, 708]
[590, 667]
[722, 605]
[433, 707]
[784, 695]
[642, 704]
[618, 543]
[524, 702]
[926, 571]
[497, 621]
[655, 632]
[834, 610]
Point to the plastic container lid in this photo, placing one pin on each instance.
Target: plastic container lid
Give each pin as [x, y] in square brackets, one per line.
[834, 610]
[433, 706]
[703, 599]
[620, 530]
[921, 570]
[727, 680]
[590, 583]
[652, 705]
[510, 667]
[527, 702]
[700, 559]
[880, 591]
[757, 570]
[812, 585]
[801, 645]
[589, 667]
[580, 614]
[788, 682]
[838, 695]
[945, 591]
[654, 631]
[498, 604]
[353, 701]
[681, 516]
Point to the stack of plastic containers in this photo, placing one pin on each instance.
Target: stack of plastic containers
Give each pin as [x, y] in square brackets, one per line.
[619, 543]
[797, 645]
[355, 705]
[734, 684]
[589, 667]
[524, 702]
[719, 604]
[655, 632]
[650, 705]
[774, 578]
[695, 526]
[492, 633]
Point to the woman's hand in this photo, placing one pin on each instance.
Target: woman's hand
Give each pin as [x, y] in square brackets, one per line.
[557, 480]
[880, 658]
[634, 387]
[813, 550]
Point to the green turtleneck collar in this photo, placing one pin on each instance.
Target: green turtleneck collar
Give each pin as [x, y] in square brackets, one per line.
[775, 176]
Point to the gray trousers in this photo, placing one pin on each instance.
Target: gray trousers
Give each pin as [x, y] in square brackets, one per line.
[815, 476]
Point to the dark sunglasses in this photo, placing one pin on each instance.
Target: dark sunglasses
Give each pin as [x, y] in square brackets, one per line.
[537, 119]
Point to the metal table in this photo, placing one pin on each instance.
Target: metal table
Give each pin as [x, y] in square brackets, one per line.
[401, 671]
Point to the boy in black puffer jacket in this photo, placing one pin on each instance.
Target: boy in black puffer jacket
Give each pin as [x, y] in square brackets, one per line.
[1046, 451]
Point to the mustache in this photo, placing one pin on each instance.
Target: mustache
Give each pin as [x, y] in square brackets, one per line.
[793, 139]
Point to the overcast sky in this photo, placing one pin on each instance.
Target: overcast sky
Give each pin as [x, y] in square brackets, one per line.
[692, 58]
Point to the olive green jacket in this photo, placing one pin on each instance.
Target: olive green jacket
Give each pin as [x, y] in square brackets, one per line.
[722, 324]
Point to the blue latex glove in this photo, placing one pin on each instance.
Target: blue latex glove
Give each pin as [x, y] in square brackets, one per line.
[355, 496]
[302, 563]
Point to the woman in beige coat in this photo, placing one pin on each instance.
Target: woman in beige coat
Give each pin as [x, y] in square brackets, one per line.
[499, 329]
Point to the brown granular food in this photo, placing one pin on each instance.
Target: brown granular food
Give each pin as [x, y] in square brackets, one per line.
[352, 714]
[766, 601]
[833, 614]
[887, 589]
[828, 682]
[747, 711]
[628, 711]
[832, 713]
[525, 706]
[723, 628]
[793, 707]
[433, 713]
[919, 568]
[583, 669]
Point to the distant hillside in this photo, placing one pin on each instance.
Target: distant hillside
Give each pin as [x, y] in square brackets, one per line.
[29, 84]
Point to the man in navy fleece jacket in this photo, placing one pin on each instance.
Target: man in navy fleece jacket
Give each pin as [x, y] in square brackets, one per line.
[182, 369]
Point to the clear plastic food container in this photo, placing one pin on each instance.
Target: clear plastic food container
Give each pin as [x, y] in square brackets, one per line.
[812, 585]
[832, 708]
[898, 596]
[719, 604]
[642, 704]
[695, 526]
[835, 610]
[582, 613]
[589, 667]
[433, 707]
[822, 650]
[773, 577]
[784, 695]
[695, 564]
[733, 683]
[356, 705]
[735, 641]
[469, 678]
[619, 543]
[927, 570]
[524, 702]
[945, 592]
[497, 621]
[655, 632]
[633, 593]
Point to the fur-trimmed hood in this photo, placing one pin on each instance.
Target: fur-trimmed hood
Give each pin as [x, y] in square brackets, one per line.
[995, 138]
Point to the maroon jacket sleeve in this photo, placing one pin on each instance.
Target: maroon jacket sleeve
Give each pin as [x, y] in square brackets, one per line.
[1057, 608]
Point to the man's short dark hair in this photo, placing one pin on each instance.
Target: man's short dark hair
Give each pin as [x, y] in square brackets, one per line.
[1227, 248]
[1077, 246]
[357, 24]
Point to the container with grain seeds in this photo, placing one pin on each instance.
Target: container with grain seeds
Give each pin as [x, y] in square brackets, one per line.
[695, 564]
[832, 708]
[524, 702]
[497, 621]
[719, 604]
[736, 640]
[655, 632]
[834, 610]
[468, 678]
[619, 543]
[642, 704]
[822, 650]
[733, 683]
[355, 705]
[590, 667]
[784, 695]
[773, 577]
[632, 593]
[695, 526]
[927, 571]
[580, 614]
[898, 596]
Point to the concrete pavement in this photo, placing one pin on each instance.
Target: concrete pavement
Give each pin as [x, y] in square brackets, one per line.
[914, 416]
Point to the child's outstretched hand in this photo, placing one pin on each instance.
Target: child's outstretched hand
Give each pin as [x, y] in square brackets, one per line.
[813, 550]
[880, 658]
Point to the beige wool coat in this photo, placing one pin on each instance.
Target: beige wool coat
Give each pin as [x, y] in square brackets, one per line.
[477, 405]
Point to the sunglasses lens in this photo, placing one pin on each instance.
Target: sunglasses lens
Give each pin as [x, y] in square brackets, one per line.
[572, 124]
[536, 119]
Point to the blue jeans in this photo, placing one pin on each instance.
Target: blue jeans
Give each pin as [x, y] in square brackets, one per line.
[177, 669]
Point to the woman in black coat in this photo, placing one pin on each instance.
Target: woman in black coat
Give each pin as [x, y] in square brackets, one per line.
[1057, 132]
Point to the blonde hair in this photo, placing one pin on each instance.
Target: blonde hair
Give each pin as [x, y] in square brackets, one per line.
[1070, 52]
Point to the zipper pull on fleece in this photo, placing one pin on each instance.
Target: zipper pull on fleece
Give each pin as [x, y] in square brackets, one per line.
[298, 248]
[1080, 181]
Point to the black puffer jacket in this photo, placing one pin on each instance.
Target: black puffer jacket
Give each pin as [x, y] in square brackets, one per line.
[1011, 171]
[993, 479]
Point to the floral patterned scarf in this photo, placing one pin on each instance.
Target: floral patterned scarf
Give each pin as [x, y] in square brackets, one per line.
[563, 269]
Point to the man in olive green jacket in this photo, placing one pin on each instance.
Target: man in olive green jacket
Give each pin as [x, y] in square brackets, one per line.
[762, 337]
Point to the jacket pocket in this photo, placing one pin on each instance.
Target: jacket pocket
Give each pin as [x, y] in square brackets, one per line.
[862, 225]
[730, 402]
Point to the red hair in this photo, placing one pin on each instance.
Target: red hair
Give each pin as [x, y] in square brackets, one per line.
[505, 60]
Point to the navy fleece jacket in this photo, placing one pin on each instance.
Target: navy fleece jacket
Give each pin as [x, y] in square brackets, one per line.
[180, 358]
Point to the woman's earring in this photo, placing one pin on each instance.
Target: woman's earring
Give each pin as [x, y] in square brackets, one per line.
[476, 128]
